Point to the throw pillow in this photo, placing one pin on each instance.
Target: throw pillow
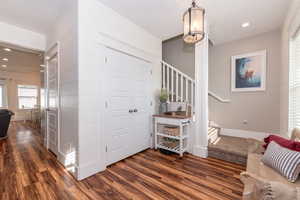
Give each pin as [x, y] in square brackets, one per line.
[290, 144]
[283, 160]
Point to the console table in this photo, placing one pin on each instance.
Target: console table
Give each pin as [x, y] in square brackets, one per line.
[172, 132]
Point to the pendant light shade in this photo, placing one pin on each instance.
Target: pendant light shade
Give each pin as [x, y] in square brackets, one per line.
[193, 20]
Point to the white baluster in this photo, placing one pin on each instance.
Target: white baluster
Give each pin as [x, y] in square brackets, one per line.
[168, 82]
[164, 76]
[186, 90]
[181, 84]
[172, 85]
[192, 96]
[177, 90]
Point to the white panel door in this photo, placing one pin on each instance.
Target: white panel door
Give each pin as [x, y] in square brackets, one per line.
[141, 105]
[52, 110]
[127, 126]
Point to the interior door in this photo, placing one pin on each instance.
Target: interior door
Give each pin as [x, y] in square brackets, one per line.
[52, 103]
[127, 106]
[141, 105]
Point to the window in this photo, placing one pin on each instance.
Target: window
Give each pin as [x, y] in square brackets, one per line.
[3, 100]
[294, 83]
[27, 96]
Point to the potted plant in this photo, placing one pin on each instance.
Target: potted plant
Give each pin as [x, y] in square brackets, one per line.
[163, 98]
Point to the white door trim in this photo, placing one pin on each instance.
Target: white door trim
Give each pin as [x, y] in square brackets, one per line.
[53, 51]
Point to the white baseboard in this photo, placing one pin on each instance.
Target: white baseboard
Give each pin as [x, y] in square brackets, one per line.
[88, 170]
[62, 160]
[244, 134]
[200, 151]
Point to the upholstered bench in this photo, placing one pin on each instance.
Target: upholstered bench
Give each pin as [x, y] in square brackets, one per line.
[258, 169]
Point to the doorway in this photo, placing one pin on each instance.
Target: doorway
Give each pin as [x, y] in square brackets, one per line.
[21, 83]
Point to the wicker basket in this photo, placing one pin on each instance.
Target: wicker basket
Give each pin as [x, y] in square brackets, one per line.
[171, 130]
[170, 144]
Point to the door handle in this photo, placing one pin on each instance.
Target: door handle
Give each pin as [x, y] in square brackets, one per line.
[135, 110]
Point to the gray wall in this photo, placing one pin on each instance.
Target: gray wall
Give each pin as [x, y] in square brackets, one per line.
[180, 55]
[260, 109]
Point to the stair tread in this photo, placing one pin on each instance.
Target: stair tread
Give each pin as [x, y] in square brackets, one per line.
[232, 145]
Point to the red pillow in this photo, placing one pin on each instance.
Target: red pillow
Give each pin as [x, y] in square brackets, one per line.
[289, 144]
[297, 146]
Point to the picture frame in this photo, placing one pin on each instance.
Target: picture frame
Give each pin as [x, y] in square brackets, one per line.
[248, 72]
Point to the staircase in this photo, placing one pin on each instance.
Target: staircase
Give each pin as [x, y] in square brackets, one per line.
[181, 88]
[213, 132]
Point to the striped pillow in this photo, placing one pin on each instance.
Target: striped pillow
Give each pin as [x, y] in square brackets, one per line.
[284, 161]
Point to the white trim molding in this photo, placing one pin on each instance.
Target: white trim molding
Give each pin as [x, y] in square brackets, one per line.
[244, 133]
[51, 53]
[87, 170]
[200, 151]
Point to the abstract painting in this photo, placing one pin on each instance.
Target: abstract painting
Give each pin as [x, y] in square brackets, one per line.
[248, 72]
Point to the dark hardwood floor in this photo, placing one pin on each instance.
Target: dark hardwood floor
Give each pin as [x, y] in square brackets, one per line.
[28, 171]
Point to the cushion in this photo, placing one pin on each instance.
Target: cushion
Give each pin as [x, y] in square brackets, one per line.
[283, 160]
[255, 146]
[269, 190]
[281, 141]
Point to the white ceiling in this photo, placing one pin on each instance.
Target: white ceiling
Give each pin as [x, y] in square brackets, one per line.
[163, 18]
[35, 15]
[20, 60]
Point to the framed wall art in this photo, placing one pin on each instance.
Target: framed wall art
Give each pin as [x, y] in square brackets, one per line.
[248, 72]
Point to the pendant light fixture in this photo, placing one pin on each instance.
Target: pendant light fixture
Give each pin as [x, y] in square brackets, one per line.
[193, 20]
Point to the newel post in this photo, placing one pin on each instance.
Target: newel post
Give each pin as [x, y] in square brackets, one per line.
[201, 97]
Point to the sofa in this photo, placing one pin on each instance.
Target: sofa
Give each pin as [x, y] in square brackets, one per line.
[257, 169]
[5, 116]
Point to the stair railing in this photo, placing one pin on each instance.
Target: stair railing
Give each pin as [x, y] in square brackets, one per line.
[180, 86]
[218, 98]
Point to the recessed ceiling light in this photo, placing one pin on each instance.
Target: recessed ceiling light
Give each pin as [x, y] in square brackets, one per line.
[5, 59]
[4, 66]
[246, 24]
[7, 49]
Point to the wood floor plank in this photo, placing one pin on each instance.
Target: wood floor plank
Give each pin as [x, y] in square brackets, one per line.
[168, 191]
[164, 182]
[184, 181]
[28, 171]
[203, 173]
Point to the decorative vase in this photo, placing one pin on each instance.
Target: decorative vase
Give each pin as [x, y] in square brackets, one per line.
[163, 107]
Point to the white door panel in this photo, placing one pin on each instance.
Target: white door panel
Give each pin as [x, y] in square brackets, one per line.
[52, 104]
[127, 125]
